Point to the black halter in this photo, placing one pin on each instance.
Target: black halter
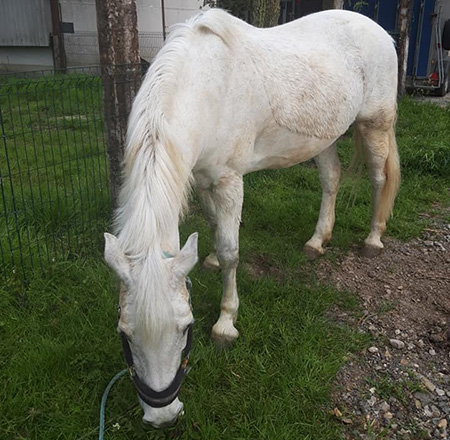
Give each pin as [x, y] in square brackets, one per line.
[159, 399]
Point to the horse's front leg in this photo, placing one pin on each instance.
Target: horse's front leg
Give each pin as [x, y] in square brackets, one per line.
[329, 168]
[228, 197]
[209, 208]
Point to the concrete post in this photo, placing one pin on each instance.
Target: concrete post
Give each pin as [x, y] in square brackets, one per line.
[119, 60]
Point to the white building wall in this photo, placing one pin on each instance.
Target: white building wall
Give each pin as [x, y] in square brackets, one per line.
[176, 11]
[17, 59]
[82, 45]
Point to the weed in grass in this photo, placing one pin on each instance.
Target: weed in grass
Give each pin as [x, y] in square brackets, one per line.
[401, 389]
[385, 307]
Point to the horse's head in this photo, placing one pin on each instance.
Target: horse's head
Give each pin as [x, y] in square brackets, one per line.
[155, 324]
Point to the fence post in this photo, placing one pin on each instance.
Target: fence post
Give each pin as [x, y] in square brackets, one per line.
[57, 38]
[119, 60]
[404, 26]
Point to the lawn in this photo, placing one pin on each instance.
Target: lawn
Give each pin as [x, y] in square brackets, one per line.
[59, 347]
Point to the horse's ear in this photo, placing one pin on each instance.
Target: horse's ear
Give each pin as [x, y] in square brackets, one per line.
[116, 258]
[187, 257]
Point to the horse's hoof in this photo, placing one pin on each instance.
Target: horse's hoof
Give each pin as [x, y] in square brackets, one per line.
[224, 341]
[211, 263]
[369, 251]
[313, 253]
[222, 344]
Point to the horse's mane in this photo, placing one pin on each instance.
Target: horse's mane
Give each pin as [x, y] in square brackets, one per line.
[156, 181]
[155, 175]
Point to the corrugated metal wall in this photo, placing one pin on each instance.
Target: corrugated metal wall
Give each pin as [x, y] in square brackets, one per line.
[25, 22]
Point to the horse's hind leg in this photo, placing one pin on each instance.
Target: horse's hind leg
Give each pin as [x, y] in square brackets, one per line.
[228, 196]
[209, 208]
[384, 168]
[329, 168]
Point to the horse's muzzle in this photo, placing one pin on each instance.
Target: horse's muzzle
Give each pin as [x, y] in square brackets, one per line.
[163, 417]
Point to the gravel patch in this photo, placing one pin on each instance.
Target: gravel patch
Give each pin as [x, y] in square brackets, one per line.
[398, 388]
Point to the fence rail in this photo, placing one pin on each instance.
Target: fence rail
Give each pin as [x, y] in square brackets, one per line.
[54, 185]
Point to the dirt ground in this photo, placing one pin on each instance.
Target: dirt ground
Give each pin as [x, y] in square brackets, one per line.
[400, 387]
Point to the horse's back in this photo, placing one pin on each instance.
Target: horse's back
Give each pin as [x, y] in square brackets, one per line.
[320, 72]
[309, 79]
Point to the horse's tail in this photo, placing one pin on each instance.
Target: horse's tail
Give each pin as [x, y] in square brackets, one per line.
[392, 173]
[391, 168]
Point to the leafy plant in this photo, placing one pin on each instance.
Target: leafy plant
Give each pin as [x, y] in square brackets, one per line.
[357, 5]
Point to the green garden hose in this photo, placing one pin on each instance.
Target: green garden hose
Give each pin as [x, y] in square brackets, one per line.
[103, 404]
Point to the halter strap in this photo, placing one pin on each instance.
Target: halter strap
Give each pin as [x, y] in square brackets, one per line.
[158, 399]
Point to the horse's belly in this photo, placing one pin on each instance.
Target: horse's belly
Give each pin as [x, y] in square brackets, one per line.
[278, 147]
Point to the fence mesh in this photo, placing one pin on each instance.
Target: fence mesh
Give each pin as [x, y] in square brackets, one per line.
[54, 196]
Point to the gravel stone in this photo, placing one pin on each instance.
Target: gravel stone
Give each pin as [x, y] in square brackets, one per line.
[440, 392]
[385, 407]
[435, 410]
[388, 415]
[442, 424]
[396, 343]
[428, 384]
[427, 412]
[424, 397]
[372, 401]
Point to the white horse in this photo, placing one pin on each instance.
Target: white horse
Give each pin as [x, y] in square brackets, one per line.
[223, 99]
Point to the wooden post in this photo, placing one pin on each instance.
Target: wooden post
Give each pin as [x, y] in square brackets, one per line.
[57, 38]
[119, 60]
[404, 26]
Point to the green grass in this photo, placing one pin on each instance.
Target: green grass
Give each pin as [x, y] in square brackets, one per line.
[59, 350]
[53, 166]
[59, 347]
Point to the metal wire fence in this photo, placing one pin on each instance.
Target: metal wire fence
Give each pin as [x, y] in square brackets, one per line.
[82, 47]
[54, 196]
